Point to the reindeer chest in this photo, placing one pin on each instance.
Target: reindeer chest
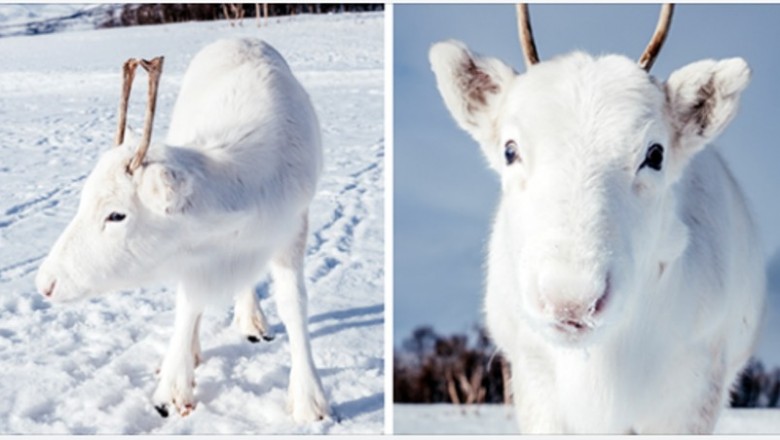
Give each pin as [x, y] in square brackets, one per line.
[617, 387]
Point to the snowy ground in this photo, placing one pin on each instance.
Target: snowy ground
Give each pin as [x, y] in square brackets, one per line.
[29, 19]
[499, 419]
[89, 367]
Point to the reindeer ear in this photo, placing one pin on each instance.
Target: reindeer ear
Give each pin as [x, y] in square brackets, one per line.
[703, 98]
[471, 87]
[163, 189]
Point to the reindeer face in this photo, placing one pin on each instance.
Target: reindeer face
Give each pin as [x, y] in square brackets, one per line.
[588, 151]
[127, 226]
[586, 192]
[124, 231]
[93, 254]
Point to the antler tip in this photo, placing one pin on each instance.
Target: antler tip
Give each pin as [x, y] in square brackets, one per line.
[526, 35]
[659, 36]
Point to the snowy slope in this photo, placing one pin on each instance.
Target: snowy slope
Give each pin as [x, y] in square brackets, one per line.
[89, 367]
[31, 19]
[499, 419]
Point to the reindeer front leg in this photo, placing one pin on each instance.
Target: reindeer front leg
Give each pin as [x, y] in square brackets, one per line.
[177, 373]
[306, 398]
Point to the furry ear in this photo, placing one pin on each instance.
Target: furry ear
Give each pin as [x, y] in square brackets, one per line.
[471, 86]
[163, 189]
[703, 98]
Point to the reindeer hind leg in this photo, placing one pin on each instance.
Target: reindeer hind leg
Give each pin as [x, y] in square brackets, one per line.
[306, 397]
[250, 319]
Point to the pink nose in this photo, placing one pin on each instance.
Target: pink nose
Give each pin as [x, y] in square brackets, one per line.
[578, 316]
[45, 283]
[573, 302]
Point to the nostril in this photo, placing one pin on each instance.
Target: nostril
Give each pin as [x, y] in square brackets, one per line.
[599, 307]
[574, 324]
[601, 303]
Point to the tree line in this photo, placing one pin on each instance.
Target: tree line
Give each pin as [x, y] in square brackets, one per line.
[117, 15]
[432, 368]
[160, 13]
[466, 368]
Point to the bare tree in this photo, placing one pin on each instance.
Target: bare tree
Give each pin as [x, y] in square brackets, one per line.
[234, 13]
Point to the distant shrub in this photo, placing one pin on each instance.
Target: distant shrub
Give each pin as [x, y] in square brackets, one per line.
[756, 387]
[434, 368]
[431, 368]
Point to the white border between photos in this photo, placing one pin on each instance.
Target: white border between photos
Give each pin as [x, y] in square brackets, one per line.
[388, 233]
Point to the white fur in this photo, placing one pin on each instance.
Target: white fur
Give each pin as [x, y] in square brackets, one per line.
[226, 196]
[626, 299]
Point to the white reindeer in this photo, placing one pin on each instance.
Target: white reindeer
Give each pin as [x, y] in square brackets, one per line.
[224, 197]
[625, 281]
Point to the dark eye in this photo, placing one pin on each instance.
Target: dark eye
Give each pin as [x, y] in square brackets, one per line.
[115, 217]
[510, 152]
[654, 157]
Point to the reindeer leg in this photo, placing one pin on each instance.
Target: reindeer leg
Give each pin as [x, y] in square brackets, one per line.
[177, 373]
[249, 318]
[306, 397]
[197, 355]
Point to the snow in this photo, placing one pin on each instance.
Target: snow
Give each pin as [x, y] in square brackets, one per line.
[30, 19]
[499, 419]
[89, 367]
[26, 13]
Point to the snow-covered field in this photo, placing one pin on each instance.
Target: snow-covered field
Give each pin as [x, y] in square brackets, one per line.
[29, 19]
[89, 367]
[499, 419]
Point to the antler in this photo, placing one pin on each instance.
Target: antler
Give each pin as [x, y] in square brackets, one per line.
[526, 35]
[661, 30]
[154, 69]
[645, 61]
[128, 73]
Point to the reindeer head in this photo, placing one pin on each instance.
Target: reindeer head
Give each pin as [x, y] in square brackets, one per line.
[589, 150]
[122, 229]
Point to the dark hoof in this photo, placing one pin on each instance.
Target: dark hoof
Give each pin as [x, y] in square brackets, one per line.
[268, 338]
[162, 410]
[253, 339]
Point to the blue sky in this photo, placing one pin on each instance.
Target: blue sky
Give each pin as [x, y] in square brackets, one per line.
[444, 193]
